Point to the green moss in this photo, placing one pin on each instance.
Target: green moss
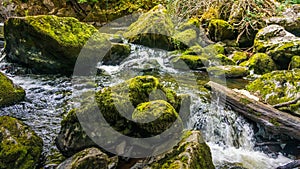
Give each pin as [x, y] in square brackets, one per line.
[239, 57]
[223, 60]
[9, 93]
[295, 62]
[154, 117]
[194, 50]
[274, 122]
[190, 24]
[189, 61]
[214, 49]
[277, 87]
[20, 147]
[152, 29]
[228, 71]
[185, 39]
[245, 101]
[220, 30]
[260, 63]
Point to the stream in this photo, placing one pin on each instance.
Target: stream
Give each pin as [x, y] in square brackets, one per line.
[229, 135]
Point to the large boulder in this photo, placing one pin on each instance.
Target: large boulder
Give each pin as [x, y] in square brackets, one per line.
[9, 92]
[219, 30]
[122, 106]
[153, 29]
[51, 44]
[278, 87]
[20, 147]
[260, 63]
[87, 159]
[191, 152]
[279, 44]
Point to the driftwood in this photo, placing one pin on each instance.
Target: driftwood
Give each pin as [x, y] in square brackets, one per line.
[290, 165]
[275, 121]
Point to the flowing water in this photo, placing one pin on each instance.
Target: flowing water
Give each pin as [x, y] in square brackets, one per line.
[230, 136]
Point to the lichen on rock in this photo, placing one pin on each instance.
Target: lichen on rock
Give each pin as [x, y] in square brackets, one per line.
[260, 63]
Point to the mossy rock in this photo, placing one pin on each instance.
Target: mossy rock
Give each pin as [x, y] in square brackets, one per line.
[155, 117]
[194, 50]
[89, 158]
[214, 49]
[152, 29]
[278, 87]
[279, 44]
[295, 62]
[9, 93]
[116, 104]
[189, 62]
[185, 39]
[238, 56]
[51, 44]
[192, 23]
[228, 71]
[219, 30]
[20, 147]
[260, 63]
[190, 152]
[221, 59]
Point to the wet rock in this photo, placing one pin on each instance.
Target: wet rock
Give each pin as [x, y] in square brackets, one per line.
[87, 159]
[278, 87]
[189, 62]
[118, 53]
[260, 63]
[116, 105]
[279, 44]
[191, 152]
[229, 71]
[152, 29]
[239, 57]
[185, 39]
[219, 30]
[9, 93]
[295, 62]
[51, 44]
[20, 147]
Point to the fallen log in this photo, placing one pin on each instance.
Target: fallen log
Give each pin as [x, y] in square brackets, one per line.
[275, 121]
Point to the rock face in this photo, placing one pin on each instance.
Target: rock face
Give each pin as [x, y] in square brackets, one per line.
[260, 63]
[279, 44]
[51, 44]
[191, 152]
[9, 93]
[123, 107]
[87, 159]
[20, 147]
[279, 87]
[152, 29]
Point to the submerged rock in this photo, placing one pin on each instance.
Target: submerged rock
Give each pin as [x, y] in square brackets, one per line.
[9, 92]
[279, 44]
[229, 71]
[192, 152]
[152, 29]
[20, 147]
[122, 106]
[278, 87]
[88, 159]
[51, 44]
[260, 63]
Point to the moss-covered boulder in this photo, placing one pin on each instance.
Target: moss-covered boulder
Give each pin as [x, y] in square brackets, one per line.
[9, 92]
[20, 147]
[152, 29]
[117, 105]
[51, 44]
[278, 87]
[219, 30]
[279, 44]
[238, 57]
[189, 62]
[191, 152]
[89, 158]
[154, 117]
[295, 62]
[260, 63]
[229, 71]
[185, 39]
